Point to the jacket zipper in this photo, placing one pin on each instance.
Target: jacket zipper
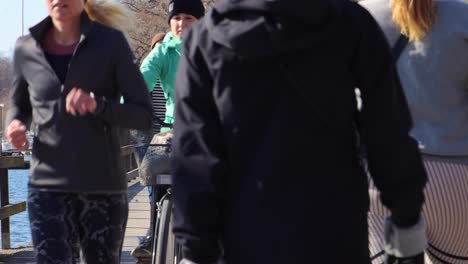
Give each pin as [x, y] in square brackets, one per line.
[62, 87]
[108, 135]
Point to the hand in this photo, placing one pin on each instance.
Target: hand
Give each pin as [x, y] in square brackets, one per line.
[80, 102]
[16, 135]
[405, 244]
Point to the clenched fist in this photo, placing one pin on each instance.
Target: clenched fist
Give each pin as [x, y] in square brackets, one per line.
[16, 135]
[80, 102]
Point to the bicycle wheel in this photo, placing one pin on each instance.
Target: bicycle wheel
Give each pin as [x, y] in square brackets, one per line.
[165, 239]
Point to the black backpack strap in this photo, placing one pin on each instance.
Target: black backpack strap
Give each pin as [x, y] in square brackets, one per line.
[399, 46]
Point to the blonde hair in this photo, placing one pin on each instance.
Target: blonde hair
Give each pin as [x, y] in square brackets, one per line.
[414, 17]
[110, 13]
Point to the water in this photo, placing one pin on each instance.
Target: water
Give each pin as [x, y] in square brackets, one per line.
[19, 224]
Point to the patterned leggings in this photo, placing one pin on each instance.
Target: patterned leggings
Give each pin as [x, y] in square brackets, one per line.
[445, 210]
[58, 219]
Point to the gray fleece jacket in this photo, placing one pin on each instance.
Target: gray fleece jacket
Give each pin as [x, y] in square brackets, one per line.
[434, 75]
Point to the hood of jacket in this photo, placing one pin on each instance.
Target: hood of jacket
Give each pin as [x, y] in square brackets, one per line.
[273, 25]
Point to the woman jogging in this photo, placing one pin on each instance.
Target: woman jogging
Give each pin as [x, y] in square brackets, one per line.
[69, 74]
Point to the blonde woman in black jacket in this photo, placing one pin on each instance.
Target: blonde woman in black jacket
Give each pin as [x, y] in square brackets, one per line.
[69, 74]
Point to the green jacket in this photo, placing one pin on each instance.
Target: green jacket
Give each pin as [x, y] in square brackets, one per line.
[161, 63]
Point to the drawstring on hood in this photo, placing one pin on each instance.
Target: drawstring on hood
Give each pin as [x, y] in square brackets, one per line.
[307, 22]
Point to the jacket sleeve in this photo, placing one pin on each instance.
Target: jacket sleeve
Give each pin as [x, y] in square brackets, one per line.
[136, 111]
[199, 161]
[393, 156]
[151, 67]
[19, 96]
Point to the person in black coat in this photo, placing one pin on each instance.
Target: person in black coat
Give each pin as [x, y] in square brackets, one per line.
[267, 167]
[69, 74]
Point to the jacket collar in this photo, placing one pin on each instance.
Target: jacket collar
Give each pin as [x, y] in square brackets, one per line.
[172, 41]
[38, 31]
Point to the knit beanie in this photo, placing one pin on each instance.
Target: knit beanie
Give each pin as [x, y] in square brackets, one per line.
[191, 7]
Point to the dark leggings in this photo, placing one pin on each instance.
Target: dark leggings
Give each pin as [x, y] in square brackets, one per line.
[96, 221]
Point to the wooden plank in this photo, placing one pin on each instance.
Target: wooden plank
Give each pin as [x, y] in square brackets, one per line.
[24, 166]
[139, 206]
[132, 174]
[141, 231]
[12, 209]
[126, 150]
[138, 223]
[127, 154]
[4, 200]
[11, 161]
[4, 197]
[134, 183]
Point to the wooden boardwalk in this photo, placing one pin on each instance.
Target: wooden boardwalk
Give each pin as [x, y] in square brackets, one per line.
[138, 223]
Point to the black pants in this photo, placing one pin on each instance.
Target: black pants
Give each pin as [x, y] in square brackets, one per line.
[59, 219]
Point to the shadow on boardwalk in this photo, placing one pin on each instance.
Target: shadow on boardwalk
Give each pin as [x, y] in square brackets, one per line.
[137, 225]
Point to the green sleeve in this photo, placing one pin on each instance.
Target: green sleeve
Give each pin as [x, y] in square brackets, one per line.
[151, 67]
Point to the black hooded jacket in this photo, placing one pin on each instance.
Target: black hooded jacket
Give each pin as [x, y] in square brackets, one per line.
[266, 163]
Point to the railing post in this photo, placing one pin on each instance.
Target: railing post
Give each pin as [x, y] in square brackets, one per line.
[4, 200]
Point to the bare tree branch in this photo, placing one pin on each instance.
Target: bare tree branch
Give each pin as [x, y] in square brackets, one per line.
[6, 72]
[150, 18]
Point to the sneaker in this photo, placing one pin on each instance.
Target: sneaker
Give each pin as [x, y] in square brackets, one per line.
[143, 250]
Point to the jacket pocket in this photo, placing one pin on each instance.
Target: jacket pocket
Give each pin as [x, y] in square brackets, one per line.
[108, 146]
[46, 122]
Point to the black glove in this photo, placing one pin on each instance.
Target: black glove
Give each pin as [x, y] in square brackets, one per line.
[405, 245]
[418, 259]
